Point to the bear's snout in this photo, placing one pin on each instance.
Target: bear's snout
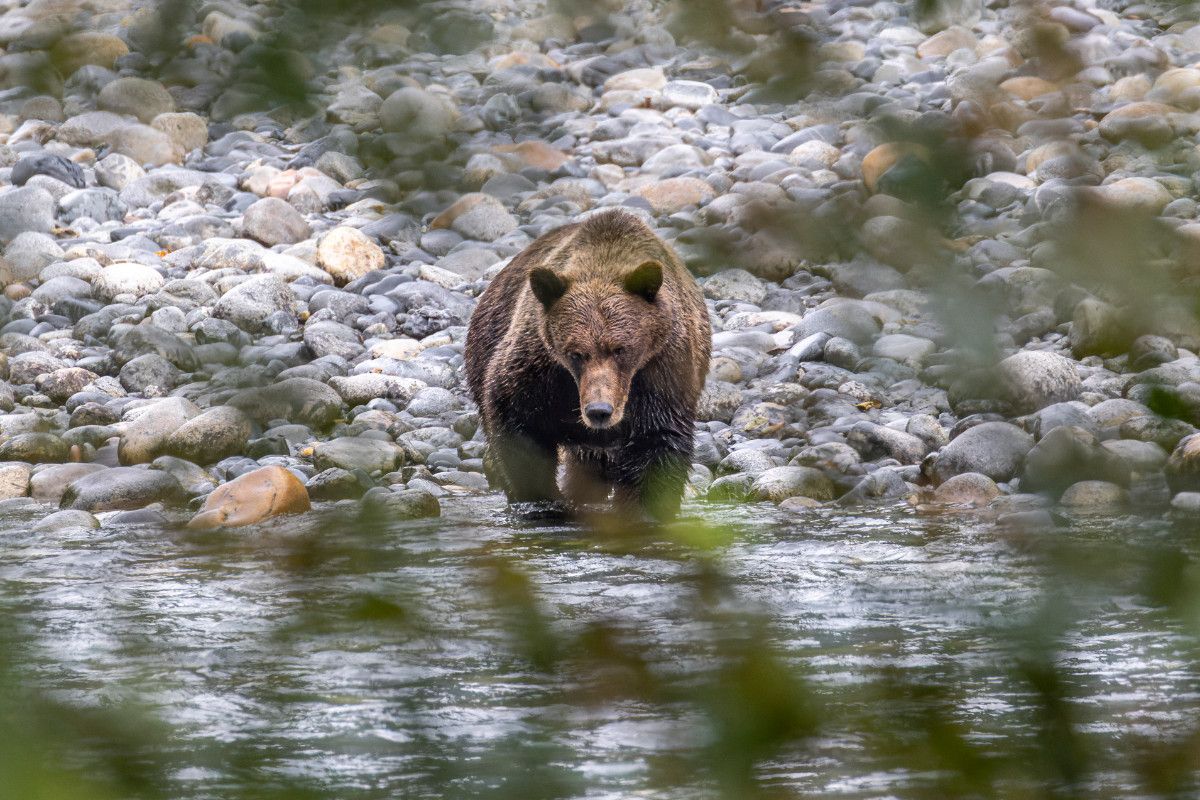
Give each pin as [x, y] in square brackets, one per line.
[601, 398]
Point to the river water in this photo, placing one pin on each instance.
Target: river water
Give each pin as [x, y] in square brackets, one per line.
[743, 652]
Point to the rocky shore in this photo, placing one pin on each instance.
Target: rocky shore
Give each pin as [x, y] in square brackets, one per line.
[235, 311]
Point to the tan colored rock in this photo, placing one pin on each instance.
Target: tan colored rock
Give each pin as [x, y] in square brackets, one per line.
[538, 155]
[969, 489]
[347, 254]
[673, 194]
[145, 145]
[636, 80]
[1140, 195]
[945, 42]
[405, 349]
[187, 130]
[1045, 152]
[1027, 87]
[459, 207]
[81, 49]
[253, 497]
[884, 157]
[14, 481]
[1129, 89]
[1146, 122]
[1180, 87]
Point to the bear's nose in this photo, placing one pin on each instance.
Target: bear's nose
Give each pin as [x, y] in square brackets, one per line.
[598, 413]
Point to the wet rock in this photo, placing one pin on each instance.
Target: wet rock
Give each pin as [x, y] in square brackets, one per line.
[877, 441]
[969, 489]
[1067, 455]
[994, 449]
[1186, 504]
[1183, 467]
[65, 520]
[49, 484]
[1096, 497]
[335, 484]
[253, 497]
[194, 479]
[406, 504]
[1034, 379]
[779, 483]
[121, 488]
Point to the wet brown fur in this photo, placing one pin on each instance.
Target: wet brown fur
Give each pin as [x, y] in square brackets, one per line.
[603, 340]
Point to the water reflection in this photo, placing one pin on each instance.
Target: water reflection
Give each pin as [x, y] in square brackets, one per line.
[851, 654]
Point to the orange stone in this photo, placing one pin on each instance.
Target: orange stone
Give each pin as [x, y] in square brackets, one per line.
[460, 206]
[884, 157]
[253, 497]
[538, 155]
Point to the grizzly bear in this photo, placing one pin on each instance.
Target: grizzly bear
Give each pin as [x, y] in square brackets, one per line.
[592, 344]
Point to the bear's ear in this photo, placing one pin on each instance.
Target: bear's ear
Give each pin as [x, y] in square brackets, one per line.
[645, 281]
[547, 286]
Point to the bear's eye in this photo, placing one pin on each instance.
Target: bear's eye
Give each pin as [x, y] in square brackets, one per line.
[618, 351]
[576, 357]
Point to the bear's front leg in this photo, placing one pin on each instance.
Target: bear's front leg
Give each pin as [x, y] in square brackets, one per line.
[650, 473]
[527, 470]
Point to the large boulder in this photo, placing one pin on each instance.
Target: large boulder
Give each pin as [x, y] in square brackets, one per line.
[1183, 467]
[253, 497]
[780, 483]
[301, 400]
[1067, 455]
[121, 488]
[1034, 379]
[994, 449]
[145, 430]
[216, 434]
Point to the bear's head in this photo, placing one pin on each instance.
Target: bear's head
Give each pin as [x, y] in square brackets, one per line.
[603, 332]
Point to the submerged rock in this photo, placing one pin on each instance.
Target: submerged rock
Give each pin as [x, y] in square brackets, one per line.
[251, 498]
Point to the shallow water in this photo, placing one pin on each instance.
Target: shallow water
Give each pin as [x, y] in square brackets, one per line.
[470, 656]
